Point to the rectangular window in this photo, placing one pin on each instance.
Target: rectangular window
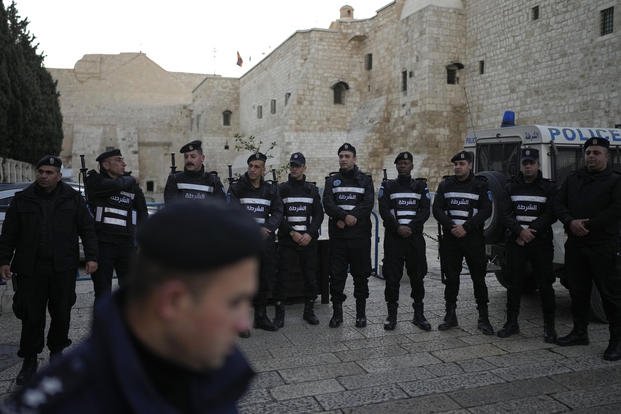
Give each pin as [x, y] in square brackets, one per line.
[287, 96]
[451, 76]
[226, 118]
[273, 106]
[606, 20]
[535, 13]
[368, 61]
[150, 186]
[259, 111]
[481, 67]
[404, 81]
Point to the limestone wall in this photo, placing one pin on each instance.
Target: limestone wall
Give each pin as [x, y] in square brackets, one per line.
[12, 171]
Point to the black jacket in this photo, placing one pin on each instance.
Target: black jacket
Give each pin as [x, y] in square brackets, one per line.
[302, 209]
[462, 202]
[21, 231]
[193, 185]
[530, 205]
[263, 203]
[404, 201]
[593, 196]
[349, 192]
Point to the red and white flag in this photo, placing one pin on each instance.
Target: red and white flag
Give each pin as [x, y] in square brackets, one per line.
[240, 61]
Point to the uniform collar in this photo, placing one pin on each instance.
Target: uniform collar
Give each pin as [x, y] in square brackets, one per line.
[293, 181]
[195, 173]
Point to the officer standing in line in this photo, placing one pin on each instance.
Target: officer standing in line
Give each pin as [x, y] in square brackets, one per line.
[528, 217]
[39, 249]
[348, 200]
[118, 204]
[461, 206]
[193, 183]
[297, 237]
[404, 207]
[164, 342]
[260, 198]
[589, 205]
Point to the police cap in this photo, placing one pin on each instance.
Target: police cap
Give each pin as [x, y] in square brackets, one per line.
[110, 153]
[405, 155]
[191, 146]
[52, 160]
[529, 154]
[257, 156]
[297, 158]
[347, 147]
[221, 235]
[601, 142]
[463, 156]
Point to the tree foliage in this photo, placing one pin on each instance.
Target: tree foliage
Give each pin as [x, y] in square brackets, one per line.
[30, 118]
[252, 145]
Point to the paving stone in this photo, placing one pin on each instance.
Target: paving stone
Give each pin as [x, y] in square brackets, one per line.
[523, 358]
[602, 409]
[382, 378]
[391, 363]
[375, 342]
[377, 330]
[451, 383]
[474, 365]
[255, 395]
[318, 348]
[522, 344]
[420, 405]
[444, 369]
[292, 362]
[360, 397]
[436, 335]
[591, 397]
[318, 372]
[494, 393]
[589, 379]
[427, 346]
[305, 389]
[295, 406]
[535, 405]
[467, 352]
[369, 353]
[327, 335]
[594, 348]
[586, 362]
[541, 369]
[266, 380]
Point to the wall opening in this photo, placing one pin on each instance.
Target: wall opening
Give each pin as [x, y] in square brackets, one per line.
[606, 17]
[259, 111]
[150, 186]
[368, 61]
[273, 106]
[534, 13]
[339, 90]
[481, 67]
[404, 81]
[287, 96]
[226, 118]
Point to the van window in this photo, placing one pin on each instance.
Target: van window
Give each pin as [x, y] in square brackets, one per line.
[569, 159]
[503, 157]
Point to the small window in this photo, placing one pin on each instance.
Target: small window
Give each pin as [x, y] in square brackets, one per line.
[150, 186]
[368, 61]
[606, 20]
[287, 96]
[198, 122]
[481, 67]
[339, 89]
[259, 111]
[273, 106]
[226, 118]
[451, 76]
[535, 13]
[404, 81]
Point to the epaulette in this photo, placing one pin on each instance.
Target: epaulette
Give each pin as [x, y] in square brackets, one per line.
[421, 179]
[213, 173]
[333, 173]
[91, 172]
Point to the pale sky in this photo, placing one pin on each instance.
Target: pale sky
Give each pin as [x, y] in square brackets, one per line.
[179, 35]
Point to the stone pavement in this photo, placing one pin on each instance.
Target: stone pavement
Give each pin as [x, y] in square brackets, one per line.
[304, 368]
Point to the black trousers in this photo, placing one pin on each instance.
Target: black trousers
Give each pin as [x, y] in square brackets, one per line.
[355, 254]
[267, 272]
[112, 256]
[304, 257]
[454, 251]
[540, 254]
[411, 252]
[50, 289]
[588, 264]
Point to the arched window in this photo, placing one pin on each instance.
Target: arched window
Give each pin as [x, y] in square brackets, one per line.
[339, 89]
[226, 118]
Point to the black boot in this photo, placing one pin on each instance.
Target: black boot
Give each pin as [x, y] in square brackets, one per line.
[309, 314]
[450, 319]
[337, 315]
[511, 327]
[419, 317]
[261, 321]
[483, 322]
[549, 332]
[361, 316]
[279, 315]
[29, 368]
[613, 352]
[577, 336]
[391, 320]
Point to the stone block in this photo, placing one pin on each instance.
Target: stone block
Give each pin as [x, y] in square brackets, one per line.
[534, 405]
[360, 397]
[451, 383]
[421, 405]
[391, 363]
[317, 372]
[305, 389]
[468, 352]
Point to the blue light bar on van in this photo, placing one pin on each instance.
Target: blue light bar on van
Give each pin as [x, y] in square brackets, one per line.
[508, 119]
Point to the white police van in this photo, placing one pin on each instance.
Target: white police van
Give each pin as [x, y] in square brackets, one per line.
[497, 158]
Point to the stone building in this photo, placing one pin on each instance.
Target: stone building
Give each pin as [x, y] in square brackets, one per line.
[415, 76]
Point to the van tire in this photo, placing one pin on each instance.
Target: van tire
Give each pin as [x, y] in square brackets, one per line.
[494, 229]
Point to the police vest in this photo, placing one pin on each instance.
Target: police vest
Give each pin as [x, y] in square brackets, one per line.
[195, 187]
[527, 208]
[348, 196]
[116, 213]
[298, 209]
[460, 206]
[404, 200]
[258, 207]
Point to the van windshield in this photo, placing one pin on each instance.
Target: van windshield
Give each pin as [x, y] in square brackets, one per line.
[503, 157]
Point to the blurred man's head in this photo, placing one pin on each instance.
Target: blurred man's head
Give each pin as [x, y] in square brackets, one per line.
[256, 166]
[112, 163]
[529, 163]
[462, 164]
[347, 157]
[404, 163]
[596, 154]
[297, 166]
[193, 157]
[48, 172]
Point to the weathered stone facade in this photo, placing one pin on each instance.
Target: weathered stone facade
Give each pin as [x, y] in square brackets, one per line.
[393, 71]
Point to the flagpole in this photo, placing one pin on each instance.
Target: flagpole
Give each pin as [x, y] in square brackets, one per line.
[214, 60]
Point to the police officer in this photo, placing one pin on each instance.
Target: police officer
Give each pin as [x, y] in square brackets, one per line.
[39, 248]
[404, 207]
[260, 198]
[461, 206]
[193, 182]
[348, 200]
[118, 205]
[528, 217]
[297, 237]
[589, 205]
[165, 342]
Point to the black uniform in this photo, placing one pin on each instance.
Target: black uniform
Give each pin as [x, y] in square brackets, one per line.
[530, 205]
[595, 196]
[463, 203]
[404, 202]
[118, 206]
[193, 185]
[265, 205]
[303, 213]
[40, 241]
[349, 192]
